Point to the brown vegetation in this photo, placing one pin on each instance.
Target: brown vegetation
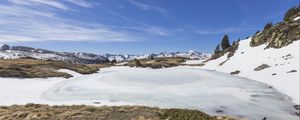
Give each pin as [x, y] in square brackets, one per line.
[156, 63]
[32, 68]
[82, 112]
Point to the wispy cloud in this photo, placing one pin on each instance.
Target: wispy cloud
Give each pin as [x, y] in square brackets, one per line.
[25, 21]
[81, 3]
[142, 27]
[51, 3]
[149, 7]
[225, 30]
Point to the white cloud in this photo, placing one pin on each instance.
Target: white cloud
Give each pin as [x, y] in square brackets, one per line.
[144, 6]
[20, 23]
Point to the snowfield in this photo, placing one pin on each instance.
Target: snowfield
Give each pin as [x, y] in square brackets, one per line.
[177, 87]
[281, 61]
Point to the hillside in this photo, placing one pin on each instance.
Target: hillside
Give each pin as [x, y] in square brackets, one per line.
[282, 72]
[270, 56]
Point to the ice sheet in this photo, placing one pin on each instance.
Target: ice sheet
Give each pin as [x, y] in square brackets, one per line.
[179, 87]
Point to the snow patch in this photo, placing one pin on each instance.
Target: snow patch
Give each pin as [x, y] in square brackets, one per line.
[73, 73]
[297, 18]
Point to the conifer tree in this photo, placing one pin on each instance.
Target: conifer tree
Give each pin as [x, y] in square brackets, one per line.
[225, 43]
[217, 50]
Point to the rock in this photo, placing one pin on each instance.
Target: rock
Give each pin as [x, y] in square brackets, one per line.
[261, 67]
[97, 102]
[297, 110]
[235, 72]
[219, 111]
[297, 107]
[274, 74]
[291, 71]
[270, 87]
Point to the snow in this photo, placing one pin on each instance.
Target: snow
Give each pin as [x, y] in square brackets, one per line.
[296, 18]
[190, 62]
[177, 87]
[282, 60]
[73, 73]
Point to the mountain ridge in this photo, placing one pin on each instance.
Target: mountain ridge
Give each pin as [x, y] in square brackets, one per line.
[15, 52]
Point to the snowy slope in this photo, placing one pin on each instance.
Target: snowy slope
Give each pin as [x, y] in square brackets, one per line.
[282, 60]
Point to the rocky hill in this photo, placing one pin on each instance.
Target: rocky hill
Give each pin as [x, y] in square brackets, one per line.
[270, 56]
[280, 34]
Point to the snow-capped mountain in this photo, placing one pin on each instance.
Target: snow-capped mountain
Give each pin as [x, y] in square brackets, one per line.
[15, 52]
[191, 54]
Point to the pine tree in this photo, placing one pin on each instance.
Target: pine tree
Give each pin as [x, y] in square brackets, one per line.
[225, 42]
[217, 50]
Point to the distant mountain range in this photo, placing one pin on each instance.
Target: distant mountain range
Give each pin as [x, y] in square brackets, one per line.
[15, 52]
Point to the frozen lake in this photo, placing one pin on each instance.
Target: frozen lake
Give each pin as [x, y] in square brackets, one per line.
[178, 87]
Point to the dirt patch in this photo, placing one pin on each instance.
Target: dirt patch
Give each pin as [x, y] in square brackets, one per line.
[82, 112]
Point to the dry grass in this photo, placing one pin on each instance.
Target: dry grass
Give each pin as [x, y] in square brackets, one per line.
[82, 112]
[158, 62]
[31, 68]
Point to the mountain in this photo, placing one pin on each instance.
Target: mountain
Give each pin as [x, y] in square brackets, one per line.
[15, 52]
[191, 54]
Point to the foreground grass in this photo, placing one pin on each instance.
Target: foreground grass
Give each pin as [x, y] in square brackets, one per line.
[82, 112]
[31, 68]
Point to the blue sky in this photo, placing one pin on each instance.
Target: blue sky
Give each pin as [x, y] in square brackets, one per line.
[133, 26]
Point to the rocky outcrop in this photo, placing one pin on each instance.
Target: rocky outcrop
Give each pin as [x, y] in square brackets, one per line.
[261, 67]
[235, 72]
[230, 50]
[279, 35]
